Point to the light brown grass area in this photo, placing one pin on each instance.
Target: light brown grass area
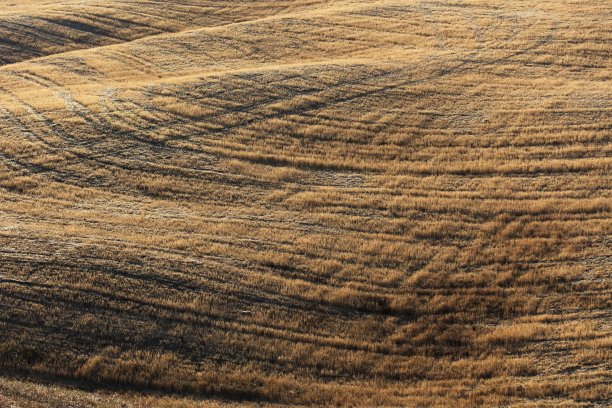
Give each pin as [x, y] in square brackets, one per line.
[391, 203]
[23, 393]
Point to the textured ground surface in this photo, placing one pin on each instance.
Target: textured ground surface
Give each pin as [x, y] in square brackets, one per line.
[385, 202]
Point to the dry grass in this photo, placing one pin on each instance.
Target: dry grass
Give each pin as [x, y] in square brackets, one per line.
[403, 203]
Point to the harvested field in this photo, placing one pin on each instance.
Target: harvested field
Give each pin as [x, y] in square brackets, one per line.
[331, 202]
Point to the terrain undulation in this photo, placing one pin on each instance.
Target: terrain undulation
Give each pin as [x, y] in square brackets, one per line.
[333, 202]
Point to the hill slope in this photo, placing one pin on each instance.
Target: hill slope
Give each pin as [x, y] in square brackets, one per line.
[336, 202]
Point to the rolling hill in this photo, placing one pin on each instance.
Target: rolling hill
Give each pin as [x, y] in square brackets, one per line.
[329, 202]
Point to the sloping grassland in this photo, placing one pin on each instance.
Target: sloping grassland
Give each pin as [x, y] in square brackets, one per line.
[384, 202]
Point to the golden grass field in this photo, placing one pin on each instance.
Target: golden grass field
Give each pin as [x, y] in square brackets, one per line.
[330, 202]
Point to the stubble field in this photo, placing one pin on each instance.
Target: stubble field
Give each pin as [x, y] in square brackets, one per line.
[334, 202]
